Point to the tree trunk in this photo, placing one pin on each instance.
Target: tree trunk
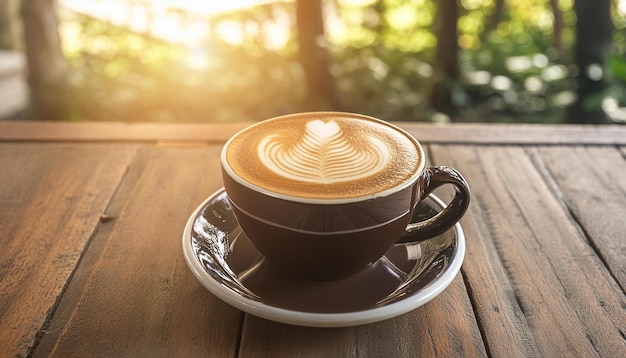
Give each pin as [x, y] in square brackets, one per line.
[47, 70]
[594, 30]
[7, 31]
[447, 43]
[447, 57]
[314, 57]
[558, 26]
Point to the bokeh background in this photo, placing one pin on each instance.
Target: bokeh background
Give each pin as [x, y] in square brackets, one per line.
[546, 61]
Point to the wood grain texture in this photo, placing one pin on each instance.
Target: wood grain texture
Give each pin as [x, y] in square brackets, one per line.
[133, 294]
[118, 131]
[51, 199]
[91, 264]
[444, 327]
[592, 183]
[506, 331]
[515, 134]
[477, 133]
[558, 288]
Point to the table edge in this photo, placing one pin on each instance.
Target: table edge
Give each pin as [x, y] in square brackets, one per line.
[455, 133]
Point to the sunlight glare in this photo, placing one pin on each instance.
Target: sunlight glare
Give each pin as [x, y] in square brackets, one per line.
[183, 22]
[621, 7]
[276, 36]
[501, 83]
[197, 59]
[138, 20]
[231, 32]
[357, 3]
[533, 84]
[519, 63]
[612, 108]
[563, 98]
[478, 77]
[554, 73]
[540, 60]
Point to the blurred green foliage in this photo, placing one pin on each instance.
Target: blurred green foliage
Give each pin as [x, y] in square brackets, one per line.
[384, 63]
[121, 75]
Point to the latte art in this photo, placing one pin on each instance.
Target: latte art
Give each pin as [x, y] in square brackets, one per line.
[323, 155]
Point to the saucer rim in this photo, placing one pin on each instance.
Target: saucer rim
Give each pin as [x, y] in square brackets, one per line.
[314, 319]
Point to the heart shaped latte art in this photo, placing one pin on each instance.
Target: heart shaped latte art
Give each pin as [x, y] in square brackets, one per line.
[323, 155]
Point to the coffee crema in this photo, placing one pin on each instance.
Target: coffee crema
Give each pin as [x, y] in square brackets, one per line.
[324, 156]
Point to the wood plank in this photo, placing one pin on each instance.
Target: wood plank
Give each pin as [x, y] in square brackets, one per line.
[477, 133]
[51, 199]
[592, 183]
[133, 294]
[506, 330]
[444, 327]
[516, 134]
[118, 131]
[555, 285]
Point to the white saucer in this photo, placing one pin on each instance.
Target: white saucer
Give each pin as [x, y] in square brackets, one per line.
[408, 276]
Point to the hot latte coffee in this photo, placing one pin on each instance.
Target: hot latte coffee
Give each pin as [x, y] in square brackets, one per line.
[325, 194]
[324, 156]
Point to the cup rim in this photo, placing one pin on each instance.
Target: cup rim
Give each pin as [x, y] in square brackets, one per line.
[383, 193]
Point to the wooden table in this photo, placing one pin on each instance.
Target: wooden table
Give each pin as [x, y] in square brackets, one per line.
[91, 216]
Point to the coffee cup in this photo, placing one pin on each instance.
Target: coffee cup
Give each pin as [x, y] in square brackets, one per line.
[325, 194]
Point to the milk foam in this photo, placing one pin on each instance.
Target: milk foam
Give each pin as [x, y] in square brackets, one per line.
[323, 155]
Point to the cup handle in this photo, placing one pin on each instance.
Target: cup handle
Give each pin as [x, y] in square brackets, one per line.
[431, 179]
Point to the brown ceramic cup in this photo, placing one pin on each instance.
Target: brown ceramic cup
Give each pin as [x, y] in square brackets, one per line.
[325, 194]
